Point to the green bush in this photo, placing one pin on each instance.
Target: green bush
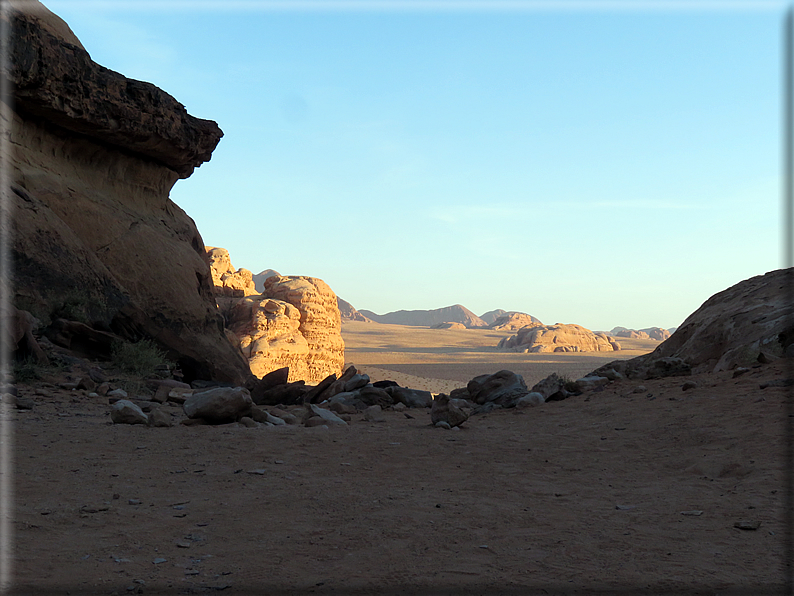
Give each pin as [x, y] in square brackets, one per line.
[140, 358]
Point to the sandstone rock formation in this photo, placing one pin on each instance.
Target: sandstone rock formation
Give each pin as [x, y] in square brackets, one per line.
[513, 321]
[93, 158]
[745, 324]
[294, 323]
[428, 318]
[656, 333]
[227, 280]
[259, 278]
[348, 313]
[558, 338]
[628, 333]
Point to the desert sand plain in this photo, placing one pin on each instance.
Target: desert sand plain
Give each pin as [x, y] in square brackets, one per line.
[610, 492]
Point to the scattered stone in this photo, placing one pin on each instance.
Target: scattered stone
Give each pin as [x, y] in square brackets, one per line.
[134, 501]
[126, 412]
[688, 385]
[285, 416]
[778, 383]
[103, 389]
[71, 385]
[694, 512]
[248, 422]
[23, 403]
[374, 414]
[639, 389]
[339, 407]
[442, 424]
[326, 415]
[589, 383]
[739, 371]
[182, 544]
[400, 407]
[747, 525]
[530, 399]
[86, 383]
[317, 421]
[257, 472]
[159, 560]
[117, 393]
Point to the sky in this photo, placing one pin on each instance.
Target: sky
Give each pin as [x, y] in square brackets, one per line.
[598, 163]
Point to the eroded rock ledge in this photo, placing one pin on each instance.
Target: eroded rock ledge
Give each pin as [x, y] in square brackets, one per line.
[56, 80]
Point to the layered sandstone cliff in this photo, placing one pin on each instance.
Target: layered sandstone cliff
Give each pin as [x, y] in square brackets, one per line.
[93, 156]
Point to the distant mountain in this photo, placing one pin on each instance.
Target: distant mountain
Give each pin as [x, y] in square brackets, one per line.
[428, 318]
[259, 279]
[348, 312]
[492, 315]
[657, 333]
[672, 329]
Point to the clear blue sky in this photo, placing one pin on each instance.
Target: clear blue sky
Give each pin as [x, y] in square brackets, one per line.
[600, 164]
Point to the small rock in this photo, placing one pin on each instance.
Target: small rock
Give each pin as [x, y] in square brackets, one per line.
[86, 383]
[160, 418]
[442, 424]
[69, 386]
[739, 371]
[693, 512]
[399, 407]
[134, 501]
[117, 393]
[24, 403]
[257, 472]
[747, 525]
[326, 415]
[248, 422]
[688, 385]
[530, 399]
[315, 421]
[159, 560]
[183, 544]
[103, 389]
[374, 414]
[639, 389]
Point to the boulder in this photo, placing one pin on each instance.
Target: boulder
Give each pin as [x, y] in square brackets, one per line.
[20, 325]
[288, 395]
[444, 411]
[558, 338]
[219, 405]
[94, 157]
[374, 414]
[413, 398]
[125, 412]
[502, 388]
[373, 396]
[552, 388]
[590, 382]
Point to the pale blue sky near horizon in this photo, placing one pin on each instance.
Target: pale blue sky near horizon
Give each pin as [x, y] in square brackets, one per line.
[586, 164]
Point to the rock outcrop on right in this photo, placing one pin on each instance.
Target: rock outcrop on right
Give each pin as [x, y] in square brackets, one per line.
[748, 323]
[558, 338]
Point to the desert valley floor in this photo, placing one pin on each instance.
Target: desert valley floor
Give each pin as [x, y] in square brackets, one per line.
[617, 491]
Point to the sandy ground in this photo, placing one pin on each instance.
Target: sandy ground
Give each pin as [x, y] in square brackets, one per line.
[608, 492]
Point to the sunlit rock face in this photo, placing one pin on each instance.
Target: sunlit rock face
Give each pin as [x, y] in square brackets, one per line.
[558, 338]
[227, 280]
[93, 157]
[295, 322]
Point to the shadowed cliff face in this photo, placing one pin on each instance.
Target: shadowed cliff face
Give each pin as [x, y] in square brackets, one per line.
[92, 159]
